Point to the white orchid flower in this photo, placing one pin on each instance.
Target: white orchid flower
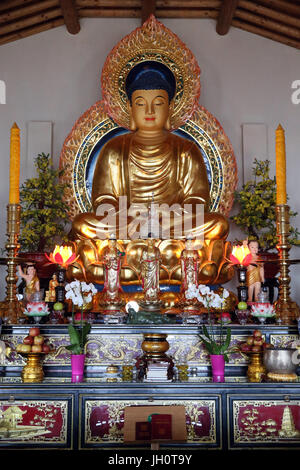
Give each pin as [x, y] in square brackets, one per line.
[225, 294]
[204, 290]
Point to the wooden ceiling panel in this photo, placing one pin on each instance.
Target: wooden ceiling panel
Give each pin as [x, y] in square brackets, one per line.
[278, 20]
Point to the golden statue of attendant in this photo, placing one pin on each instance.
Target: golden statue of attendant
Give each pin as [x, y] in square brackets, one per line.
[150, 266]
[31, 279]
[111, 298]
[255, 273]
[190, 262]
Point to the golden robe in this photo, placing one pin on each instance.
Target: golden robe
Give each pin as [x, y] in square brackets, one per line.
[172, 172]
[253, 275]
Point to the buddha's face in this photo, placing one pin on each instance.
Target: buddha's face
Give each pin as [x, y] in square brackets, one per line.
[149, 109]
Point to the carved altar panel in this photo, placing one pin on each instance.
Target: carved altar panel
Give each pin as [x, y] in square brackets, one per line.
[114, 348]
[283, 340]
[35, 421]
[259, 421]
[104, 420]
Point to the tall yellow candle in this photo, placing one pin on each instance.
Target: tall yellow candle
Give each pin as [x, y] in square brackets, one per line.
[280, 165]
[14, 168]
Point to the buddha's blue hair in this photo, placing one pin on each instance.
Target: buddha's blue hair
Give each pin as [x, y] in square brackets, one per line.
[150, 75]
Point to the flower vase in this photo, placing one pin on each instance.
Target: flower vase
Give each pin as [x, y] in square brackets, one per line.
[77, 364]
[218, 367]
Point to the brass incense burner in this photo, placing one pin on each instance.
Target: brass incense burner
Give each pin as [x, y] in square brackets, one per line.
[155, 345]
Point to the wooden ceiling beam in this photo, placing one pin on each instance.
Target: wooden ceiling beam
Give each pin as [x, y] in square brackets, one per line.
[108, 3]
[29, 21]
[266, 23]
[164, 4]
[185, 4]
[39, 28]
[17, 13]
[135, 13]
[109, 13]
[188, 13]
[70, 15]
[265, 33]
[8, 4]
[148, 8]
[226, 14]
[255, 7]
[283, 6]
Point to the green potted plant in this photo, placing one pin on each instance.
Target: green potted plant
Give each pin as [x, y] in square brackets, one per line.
[216, 342]
[78, 338]
[257, 202]
[43, 210]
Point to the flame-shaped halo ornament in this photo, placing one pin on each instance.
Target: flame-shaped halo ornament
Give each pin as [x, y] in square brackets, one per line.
[152, 42]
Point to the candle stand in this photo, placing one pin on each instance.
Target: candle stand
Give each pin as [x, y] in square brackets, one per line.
[11, 309]
[287, 311]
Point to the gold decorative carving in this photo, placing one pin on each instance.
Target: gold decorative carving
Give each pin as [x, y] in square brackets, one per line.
[255, 428]
[288, 428]
[40, 425]
[283, 341]
[114, 348]
[115, 418]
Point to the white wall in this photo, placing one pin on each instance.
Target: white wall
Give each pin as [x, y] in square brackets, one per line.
[55, 76]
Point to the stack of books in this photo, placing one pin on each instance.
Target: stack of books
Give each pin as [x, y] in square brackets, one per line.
[157, 372]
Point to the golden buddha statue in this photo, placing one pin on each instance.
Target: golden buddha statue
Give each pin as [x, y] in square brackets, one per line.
[150, 162]
[151, 95]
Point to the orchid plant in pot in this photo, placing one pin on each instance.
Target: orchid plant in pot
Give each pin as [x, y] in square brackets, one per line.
[216, 341]
[80, 293]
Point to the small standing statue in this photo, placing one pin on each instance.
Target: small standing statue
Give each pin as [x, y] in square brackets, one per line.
[150, 266]
[31, 279]
[189, 261]
[51, 293]
[255, 272]
[112, 263]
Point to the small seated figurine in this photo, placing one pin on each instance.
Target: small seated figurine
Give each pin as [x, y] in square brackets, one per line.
[255, 273]
[31, 279]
